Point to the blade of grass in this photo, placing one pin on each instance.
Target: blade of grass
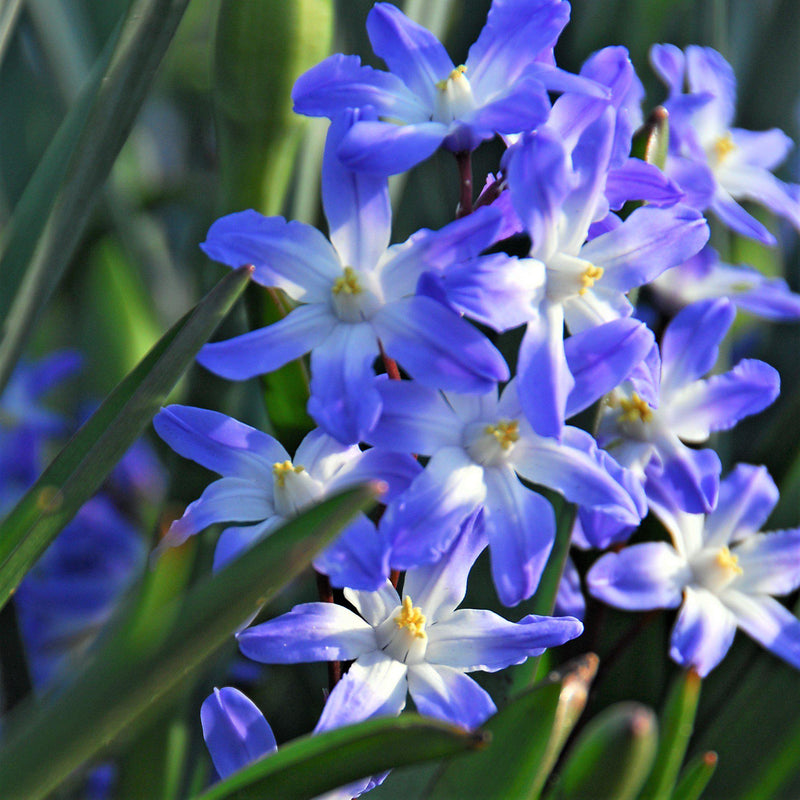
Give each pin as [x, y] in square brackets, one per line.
[79, 469]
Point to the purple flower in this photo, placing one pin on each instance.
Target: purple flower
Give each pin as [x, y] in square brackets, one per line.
[263, 487]
[417, 643]
[426, 101]
[356, 293]
[479, 448]
[715, 164]
[718, 569]
[666, 402]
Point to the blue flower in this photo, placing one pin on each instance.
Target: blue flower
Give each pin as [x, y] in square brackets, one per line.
[666, 402]
[417, 643]
[718, 569]
[715, 164]
[264, 487]
[356, 294]
[426, 101]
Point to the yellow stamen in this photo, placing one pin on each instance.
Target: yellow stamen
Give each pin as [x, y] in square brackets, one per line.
[635, 409]
[459, 70]
[279, 470]
[411, 617]
[347, 283]
[723, 147]
[506, 432]
[728, 561]
[590, 276]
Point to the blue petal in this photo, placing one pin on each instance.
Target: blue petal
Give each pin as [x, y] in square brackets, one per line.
[341, 82]
[235, 731]
[703, 632]
[437, 347]
[640, 577]
[637, 180]
[234, 541]
[291, 256]
[309, 632]
[601, 358]
[669, 63]
[523, 107]
[344, 401]
[770, 563]
[757, 184]
[690, 345]
[739, 220]
[450, 695]
[396, 470]
[570, 601]
[482, 640]
[708, 72]
[218, 442]
[385, 148]
[266, 349]
[410, 51]
[356, 204]
[691, 477]
[520, 525]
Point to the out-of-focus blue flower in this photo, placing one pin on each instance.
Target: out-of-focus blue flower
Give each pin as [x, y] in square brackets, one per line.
[263, 487]
[64, 601]
[719, 570]
[715, 164]
[558, 192]
[426, 101]
[480, 447]
[418, 643]
[705, 276]
[355, 292]
[666, 402]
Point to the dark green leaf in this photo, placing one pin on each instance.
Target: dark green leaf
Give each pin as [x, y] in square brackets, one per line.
[79, 469]
[309, 766]
[695, 777]
[155, 648]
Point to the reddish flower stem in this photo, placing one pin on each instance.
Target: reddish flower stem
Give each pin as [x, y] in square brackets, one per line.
[325, 592]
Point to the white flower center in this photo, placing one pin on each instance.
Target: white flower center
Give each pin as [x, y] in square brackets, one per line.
[720, 149]
[634, 416]
[355, 296]
[402, 635]
[293, 488]
[454, 98]
[715, 567]
[568, 276]
[489, 444]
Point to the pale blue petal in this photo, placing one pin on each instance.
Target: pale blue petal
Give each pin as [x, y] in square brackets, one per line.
[764, 149]
[482, 640]
[640, 577]
[746, 499]
[410, 51]
[395, 470]
[739, 220]
[291, 256]
[218, 442]
[375, 606]
[769, 623]
[266, 349]
[225, 500]
[520, 525]
[309, 632]
[570, 601]
[690, 476]
[708, 72]
[450, 695]
[344, 401]
[703, 632]
[670, 64]
[356, 204]
[690, 345]
[437, 347]
[234, 730]
[639, 180]
[760, 186]
[523, 107]
[770, 563]
[719, 402]
[325, 457]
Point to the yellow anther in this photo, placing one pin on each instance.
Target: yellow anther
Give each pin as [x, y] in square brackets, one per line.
[635, 409]
[454, 75]
[506, 432]
[411, 617]
[347, 283]
[590, 276]
[280, 469]
[723, 147]
[728, 561]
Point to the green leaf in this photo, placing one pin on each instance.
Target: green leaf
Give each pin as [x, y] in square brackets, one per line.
[59, 200]
[612, 757]
[309, 766]
[695, 777]
[79, 469]
[677, 724]
[526, 738]
[156, 647]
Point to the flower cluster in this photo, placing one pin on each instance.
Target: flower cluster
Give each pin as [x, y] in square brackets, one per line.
[410, 345]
